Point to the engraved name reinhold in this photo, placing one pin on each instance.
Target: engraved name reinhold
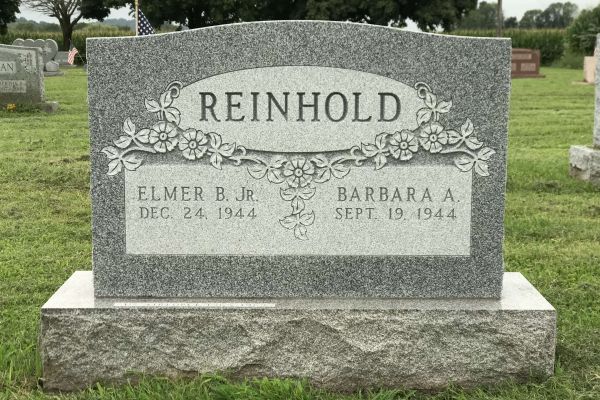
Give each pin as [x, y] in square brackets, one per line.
[297, 108]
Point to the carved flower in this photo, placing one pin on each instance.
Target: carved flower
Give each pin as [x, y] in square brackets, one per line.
[163, 136]
[298, 172]
[433, 137]
[192, 144]
[403, 145]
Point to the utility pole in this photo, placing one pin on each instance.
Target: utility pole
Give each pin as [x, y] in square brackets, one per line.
[500, 19]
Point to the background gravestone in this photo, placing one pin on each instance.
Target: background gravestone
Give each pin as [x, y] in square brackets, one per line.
[298, 199]
[584, 162]
[49, 49]
[21, 76]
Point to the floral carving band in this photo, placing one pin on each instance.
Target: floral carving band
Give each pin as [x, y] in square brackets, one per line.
[298, 175]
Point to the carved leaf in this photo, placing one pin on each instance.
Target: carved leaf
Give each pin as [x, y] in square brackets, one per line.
[290, 193]
[111, 152]
[380, 161]
[340, 170]
[430, 100]
[444, 106]
[129, 127]
[423, 116]
[216, 159]
[289, 222]
[467, 128]
[473, 143]
[172, 115]
[152, 105]
[287, 194]
[166, 99]
[322, 175]
[481, 167]
[257, 171]
[369, 149]
[215, 140]
[454, 137]
[227, 149]
[275, 176]
[132, 162]
[300, 232]
[464, 163]
[306, 192]
[114, 167]
[143, 136]
[123, 141]
[307, 219]
[380, 140]
[320, 161]
[277, 162]
[485, 153]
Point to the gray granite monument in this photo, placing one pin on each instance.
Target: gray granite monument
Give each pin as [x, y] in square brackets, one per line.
[21, 78]
[49, 49]
[584, 161]
[298, 199]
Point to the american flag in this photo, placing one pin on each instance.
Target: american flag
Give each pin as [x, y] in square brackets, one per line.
[71, 56]
[143, 27]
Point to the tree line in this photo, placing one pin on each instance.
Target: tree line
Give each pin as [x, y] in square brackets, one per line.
[429, 15]
[556, 15]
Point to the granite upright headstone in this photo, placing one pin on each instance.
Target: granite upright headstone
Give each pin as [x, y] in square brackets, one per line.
[525, 63]
[21, 78]
[49, 49]
[311, 168]
[259, 170]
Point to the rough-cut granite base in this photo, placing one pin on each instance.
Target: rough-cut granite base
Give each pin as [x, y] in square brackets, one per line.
[339, 344]
[584, 164]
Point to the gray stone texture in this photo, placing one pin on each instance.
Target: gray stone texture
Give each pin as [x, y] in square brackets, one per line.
[584, 164]
[343, 345]
[24, 85]
[473, 72]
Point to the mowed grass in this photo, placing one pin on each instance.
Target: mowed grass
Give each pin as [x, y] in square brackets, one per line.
[552, 237]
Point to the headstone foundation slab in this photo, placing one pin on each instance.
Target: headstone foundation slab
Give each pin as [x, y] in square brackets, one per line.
[338, 344]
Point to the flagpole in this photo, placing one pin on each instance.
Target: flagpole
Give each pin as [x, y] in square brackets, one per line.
[137, 16]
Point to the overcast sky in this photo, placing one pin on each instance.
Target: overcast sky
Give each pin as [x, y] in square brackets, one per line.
[512, 8]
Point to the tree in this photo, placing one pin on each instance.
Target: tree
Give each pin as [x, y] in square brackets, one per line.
[511, 22]
[67, 12]
[8, 12]
[557, 15]
[581, 34]
[528, 20]
[484, 17]
[428, 14]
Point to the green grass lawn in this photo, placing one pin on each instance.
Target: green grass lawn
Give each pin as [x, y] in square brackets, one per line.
[552, 237]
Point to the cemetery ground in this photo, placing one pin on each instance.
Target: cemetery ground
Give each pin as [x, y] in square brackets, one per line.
[552, 237]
